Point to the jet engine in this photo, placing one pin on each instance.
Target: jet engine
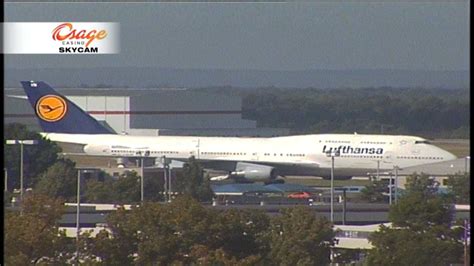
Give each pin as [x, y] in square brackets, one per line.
[122, 162]
[253, 172]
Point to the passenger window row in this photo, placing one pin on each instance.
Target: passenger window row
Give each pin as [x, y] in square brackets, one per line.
[419, 158]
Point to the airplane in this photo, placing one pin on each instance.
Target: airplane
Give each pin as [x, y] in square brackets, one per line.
[244, 159]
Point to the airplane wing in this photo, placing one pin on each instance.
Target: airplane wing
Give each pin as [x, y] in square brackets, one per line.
[282, 168]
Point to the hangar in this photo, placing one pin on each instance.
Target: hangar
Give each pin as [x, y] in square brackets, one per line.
[151, 111]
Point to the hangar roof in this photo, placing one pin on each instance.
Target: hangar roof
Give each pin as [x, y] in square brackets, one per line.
[240, 189]
[289, 187]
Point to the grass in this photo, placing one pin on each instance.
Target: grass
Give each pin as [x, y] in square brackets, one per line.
[92, 161]
[459, 147]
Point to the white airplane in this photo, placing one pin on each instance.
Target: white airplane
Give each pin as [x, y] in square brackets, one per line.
[245, 159]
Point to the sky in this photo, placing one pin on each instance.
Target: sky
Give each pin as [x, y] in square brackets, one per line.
[341, 35]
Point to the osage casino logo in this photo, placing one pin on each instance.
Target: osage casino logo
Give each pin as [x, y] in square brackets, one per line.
[77, 40]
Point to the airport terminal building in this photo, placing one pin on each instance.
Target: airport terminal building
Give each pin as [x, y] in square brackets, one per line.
[165, 111]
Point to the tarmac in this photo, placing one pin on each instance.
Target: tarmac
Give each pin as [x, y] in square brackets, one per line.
[445, 168]
[356, 214]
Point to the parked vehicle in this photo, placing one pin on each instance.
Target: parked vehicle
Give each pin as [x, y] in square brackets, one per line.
[300, 195]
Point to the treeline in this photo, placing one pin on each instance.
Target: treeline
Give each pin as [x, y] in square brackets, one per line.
[180, 233]
[432, 113]
[185, 232]
[47, 174]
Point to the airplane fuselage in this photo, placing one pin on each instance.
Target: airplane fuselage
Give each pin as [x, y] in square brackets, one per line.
[249, 159]
[290, 155]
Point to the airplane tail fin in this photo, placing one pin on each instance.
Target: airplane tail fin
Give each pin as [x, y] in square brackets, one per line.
[57, 114]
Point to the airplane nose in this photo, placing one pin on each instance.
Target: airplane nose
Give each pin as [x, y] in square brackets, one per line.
[450, 156]
[447, 155]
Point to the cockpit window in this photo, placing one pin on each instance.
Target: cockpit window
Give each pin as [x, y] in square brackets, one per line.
[422, 142]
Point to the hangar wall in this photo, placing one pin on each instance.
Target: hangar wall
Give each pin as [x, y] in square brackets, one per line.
[151, 111]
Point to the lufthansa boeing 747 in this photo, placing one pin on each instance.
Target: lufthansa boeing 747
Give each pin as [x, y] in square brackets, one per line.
[245, 159]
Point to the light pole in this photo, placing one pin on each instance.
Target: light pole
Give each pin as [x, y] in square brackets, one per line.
[378, 169]
[396, 183]
[466, 238]
[467, 235]
[142, 178]
[344, 206]
[465, 163]
[390, 189]
[165, 179]
[6, 179]
[21, 142]
[142, 192]
[332, 154]
[170, 193]
[78, 206]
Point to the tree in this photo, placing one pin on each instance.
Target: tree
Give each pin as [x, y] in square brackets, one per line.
[154, 185]
[241, 234]
[59, 180]
[421, 206]
[37, 158]
[84, 244]
[459, 185]
[346, 256]
[205, 256]
[421, 233]
[127, 188]
[124, 190]
[422, 184]
[156, 233]
[99, 191]
[374, 191]
[102, 249]
[35, 236]
[395, 247]
[193, 183]
[363, 110]
[181, 233]
[117, 247]
[297, 237]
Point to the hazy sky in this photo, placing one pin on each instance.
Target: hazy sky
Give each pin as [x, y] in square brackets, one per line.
[265, 36]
